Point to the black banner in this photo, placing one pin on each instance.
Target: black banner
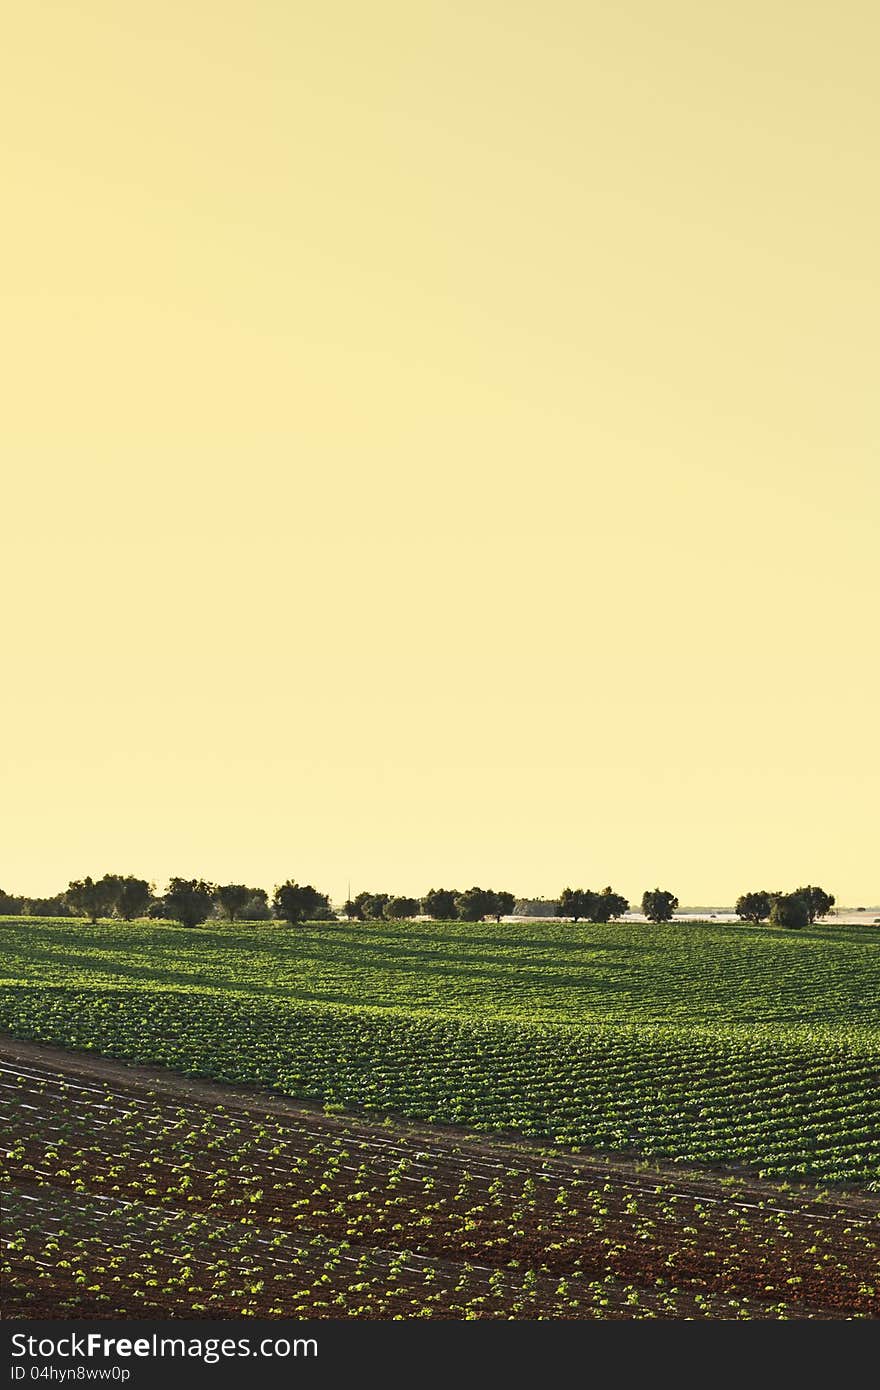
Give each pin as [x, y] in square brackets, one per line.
[255, 1354]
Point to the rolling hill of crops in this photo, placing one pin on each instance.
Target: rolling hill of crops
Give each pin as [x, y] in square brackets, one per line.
[714, 1045]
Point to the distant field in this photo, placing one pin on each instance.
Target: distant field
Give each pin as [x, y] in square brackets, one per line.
[702, 1043]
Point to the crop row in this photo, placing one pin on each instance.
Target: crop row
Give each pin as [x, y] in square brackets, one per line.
[783, 1108]
[823, 982]
[119, 1199]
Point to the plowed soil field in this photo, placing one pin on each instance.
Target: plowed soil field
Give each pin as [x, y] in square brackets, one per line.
[131, 1191]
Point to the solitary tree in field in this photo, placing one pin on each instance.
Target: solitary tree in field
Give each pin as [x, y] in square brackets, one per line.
[232, 898]
[189, 901]
[439, 904]
[818, 902]
[608, 904]
[92, 899]
[754, 907]
[658, 904]
[399, 908]
[295, 902]
[789, 910]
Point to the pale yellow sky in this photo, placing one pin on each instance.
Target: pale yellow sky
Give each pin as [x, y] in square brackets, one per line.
[441, 444]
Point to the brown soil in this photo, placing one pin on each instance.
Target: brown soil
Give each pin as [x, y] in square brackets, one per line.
[500, 1223]
[502, 1146]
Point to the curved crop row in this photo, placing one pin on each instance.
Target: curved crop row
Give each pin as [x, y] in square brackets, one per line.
[785, 1108]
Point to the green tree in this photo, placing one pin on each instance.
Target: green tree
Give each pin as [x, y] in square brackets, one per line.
[439, 904]
[295, 902]
[789, 910]
[397, 909]
[256, 909]
[608, 904]
[502, 905]
[658, 904]
[189, 901]
[754, 907]
[592, 907]
[370, 906]
[88, 898]
[57, 906]
[475, 904]
[232, 899]
[133, 896]
[576, 903]
[818, 902]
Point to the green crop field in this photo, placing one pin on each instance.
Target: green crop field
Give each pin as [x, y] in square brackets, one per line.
[709, 1044]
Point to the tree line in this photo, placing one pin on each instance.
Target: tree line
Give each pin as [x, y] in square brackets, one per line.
[192, 901]
[440, 904]
[189, 901]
